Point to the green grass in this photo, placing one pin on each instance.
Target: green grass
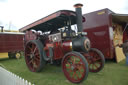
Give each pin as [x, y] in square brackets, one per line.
[112, 74]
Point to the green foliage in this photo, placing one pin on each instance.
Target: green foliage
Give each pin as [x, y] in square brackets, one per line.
[112, 74]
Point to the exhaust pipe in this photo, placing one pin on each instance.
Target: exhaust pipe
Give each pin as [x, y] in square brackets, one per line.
[2, 28]
[79, 17]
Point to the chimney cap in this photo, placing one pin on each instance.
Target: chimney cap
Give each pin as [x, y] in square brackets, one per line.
[2, 26]
[78, 5]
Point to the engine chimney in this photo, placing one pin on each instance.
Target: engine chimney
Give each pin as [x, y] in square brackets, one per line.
[2, 28]
[79, 17]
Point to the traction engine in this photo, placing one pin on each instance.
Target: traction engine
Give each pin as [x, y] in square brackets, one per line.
[62, 45]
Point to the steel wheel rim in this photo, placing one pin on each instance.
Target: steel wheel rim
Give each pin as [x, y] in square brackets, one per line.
[18, 55]
[32, 56]
[74, 68]
[95, 62]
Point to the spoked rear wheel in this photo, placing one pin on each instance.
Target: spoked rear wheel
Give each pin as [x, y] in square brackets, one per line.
[34, 55]
[96, 60]
[75, 67]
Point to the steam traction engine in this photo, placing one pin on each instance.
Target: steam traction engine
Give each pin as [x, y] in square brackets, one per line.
[52, 39]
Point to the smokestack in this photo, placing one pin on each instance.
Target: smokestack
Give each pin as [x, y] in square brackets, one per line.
[2, 28]
[79, 17]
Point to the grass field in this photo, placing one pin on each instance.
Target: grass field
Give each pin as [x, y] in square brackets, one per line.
[112, 74]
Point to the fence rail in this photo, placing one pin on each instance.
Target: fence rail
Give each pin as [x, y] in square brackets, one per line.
[9, 78]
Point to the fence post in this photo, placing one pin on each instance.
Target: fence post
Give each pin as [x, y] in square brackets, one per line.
[8, 78]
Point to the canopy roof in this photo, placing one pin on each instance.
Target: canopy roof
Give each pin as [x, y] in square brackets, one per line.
[120, 18]
[52, 22]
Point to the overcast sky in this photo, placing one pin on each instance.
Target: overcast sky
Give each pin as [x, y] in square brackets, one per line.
[19, 13]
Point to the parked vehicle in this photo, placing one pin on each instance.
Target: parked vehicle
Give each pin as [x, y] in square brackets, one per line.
[52, 40]
[11, 44]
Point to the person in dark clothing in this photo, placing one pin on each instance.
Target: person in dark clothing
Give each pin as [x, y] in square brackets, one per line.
[125, 50]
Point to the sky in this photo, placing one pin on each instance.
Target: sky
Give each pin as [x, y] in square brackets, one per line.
[15, 14]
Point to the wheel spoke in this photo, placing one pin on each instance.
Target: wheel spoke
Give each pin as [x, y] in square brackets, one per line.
[36, 54]
[33, 46]
[71, 60]
[95, 66]
[37, 59]
[70, 71]
[98, 58]
[31, 61]
[28, 54]
[74, 59]
[35, 49]
[77, 76]
[97, 62]
[90, 66]
[29, 48]
[91, 53]
[80, 71]
[95, 55]
[90, 61]
[33, 69]
[69, 65]
[34, 64]
[74, 73]
[79, 63]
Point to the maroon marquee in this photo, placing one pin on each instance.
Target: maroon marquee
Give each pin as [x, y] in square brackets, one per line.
[105, 30]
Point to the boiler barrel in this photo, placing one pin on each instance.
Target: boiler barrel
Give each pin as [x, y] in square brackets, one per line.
[81, 44]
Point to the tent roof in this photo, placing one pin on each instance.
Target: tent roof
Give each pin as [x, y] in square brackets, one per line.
[120, 18]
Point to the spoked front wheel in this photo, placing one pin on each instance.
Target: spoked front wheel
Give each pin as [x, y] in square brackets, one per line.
[75, 67]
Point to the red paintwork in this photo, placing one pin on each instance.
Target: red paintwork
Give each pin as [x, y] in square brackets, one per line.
[58, 52]
[30, 36]
[60, 49]
[66, 46]
[11, 42]
[98, 25]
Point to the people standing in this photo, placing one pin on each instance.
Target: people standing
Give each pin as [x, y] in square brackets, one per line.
[125, 50]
